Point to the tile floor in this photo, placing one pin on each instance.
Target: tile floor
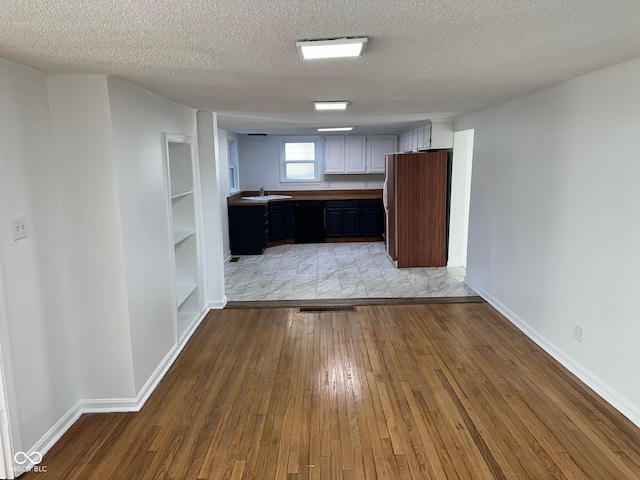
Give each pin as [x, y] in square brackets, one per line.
[335, 270]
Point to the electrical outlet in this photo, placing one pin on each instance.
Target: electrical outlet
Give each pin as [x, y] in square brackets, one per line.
[19, 229]
[578, 332]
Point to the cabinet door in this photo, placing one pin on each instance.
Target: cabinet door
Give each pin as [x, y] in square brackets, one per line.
[334, 222]
[414, 140]
[421, 131]
[426, 137]
[277, 226]
[288, 212]
[372, 219]
[351, 219]
[247, 230]
[356, 154]
[334, 154]
[406, 139]
[377, 147]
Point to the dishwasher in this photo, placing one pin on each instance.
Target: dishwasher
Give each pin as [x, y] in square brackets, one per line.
[308, 221]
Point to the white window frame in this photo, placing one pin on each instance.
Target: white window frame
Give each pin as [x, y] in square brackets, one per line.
[317, 173]
[234, 172]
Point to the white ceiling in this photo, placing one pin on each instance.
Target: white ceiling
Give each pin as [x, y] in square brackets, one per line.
[424, 59]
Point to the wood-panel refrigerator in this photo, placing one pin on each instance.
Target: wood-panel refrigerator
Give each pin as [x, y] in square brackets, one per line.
[416, 202]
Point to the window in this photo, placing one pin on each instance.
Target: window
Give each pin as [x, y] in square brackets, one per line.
[234, 180]
[299, 159]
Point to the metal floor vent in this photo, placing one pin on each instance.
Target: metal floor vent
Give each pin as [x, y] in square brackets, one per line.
[234, 259]
[326, 309]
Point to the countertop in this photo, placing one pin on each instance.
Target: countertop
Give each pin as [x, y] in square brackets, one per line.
[364, 194]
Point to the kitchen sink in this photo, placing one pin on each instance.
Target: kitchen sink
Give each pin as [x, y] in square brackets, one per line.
[265, 198]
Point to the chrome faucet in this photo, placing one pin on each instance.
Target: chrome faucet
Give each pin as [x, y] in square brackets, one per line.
[262, 191]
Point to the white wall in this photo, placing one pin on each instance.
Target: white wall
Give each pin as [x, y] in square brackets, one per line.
[554, 223]
[38, 338]
[210, 148]
[139, 120]
[83, 155]
[259, 164]
[460, 198]
[86, 316]
[225, 191]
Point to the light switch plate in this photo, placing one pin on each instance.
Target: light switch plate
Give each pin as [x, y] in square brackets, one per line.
[20, 228]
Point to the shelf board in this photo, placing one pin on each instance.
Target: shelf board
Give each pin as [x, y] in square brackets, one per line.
[180, 235]
[181, 194]
[183, 292]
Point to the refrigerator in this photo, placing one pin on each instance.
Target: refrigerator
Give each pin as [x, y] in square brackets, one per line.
[416, 196]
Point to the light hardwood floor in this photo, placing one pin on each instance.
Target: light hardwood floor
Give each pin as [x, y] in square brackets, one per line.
[435, 391]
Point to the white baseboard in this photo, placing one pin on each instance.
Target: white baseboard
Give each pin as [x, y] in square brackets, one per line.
[609, 394]
[165, 365]
[219, 304]
[227, 256]
[110, 405]
[54, 434]
[117, 405]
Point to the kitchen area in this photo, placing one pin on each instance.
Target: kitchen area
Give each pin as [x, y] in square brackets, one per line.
[330, 237]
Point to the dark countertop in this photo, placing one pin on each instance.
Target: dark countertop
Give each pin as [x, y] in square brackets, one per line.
[364, 194]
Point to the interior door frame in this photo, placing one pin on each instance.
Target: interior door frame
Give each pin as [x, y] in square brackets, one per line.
[8, 440]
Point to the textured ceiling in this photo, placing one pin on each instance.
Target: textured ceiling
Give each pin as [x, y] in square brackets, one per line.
[424, 59]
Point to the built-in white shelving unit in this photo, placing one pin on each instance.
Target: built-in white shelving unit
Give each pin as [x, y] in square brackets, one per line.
[184, 227]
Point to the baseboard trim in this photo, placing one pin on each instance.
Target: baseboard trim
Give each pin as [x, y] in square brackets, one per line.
[219, 304]
[117, 405]
[110, 405]
[227, 256]
[56, 432]
[169, 359]
[609, 394]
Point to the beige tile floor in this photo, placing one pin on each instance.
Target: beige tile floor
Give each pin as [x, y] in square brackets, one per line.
[335, 270]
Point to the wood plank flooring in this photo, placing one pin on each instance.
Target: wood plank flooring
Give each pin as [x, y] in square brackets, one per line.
[436, 391]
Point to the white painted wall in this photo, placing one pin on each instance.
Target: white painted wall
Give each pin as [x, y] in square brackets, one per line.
[224, 189]
[259, 164]
[139, 120]
[460, 198]
[210, 148]
[37, 334]
[83, 157]
[87, 311]
[554, 223]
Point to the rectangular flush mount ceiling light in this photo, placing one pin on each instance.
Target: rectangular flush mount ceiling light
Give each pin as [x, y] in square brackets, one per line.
[336, 129]
[330, 105]
[331, 48]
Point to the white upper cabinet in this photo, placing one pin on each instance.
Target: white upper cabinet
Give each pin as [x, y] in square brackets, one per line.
[356, 154]
[416, 139]
[424, 136]
[405, 141]
[377, 147]
[334, 154]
